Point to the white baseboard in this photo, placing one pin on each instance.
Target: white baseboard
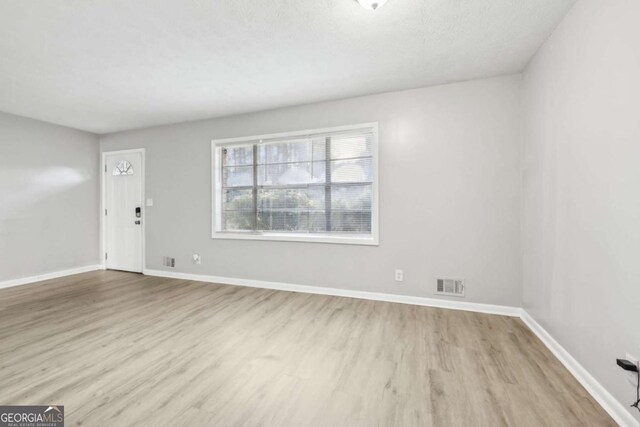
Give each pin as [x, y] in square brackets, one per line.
[47, 276]
[618, 411]
[402, 299]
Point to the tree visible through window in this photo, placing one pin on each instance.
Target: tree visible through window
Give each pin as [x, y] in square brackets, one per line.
[319, 184]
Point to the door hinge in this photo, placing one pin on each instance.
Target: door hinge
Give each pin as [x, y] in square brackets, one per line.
[105, 168]
[105, 212]
[106, 255]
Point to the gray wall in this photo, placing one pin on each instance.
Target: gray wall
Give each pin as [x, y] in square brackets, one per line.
[449, 194]
[49, 198]
[581, 188]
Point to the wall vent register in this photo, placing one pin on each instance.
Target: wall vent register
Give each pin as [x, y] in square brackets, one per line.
[450, 287]
[301, 186]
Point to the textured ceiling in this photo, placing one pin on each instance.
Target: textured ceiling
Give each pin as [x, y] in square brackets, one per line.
[109, 65]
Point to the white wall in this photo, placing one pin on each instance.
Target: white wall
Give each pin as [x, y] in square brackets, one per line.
[581, 188]
[449, 194]
[49, 198]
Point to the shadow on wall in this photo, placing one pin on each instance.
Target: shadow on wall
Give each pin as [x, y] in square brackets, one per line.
[40, 211]
[22, 187]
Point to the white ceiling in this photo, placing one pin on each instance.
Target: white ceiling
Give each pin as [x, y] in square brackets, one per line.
[109, 65]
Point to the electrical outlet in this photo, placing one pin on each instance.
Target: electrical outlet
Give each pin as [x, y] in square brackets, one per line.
[197, 259]
[632, 376]
[399, 276]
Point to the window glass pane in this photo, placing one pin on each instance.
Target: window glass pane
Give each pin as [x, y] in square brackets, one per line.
[291, 198]
[351, 170]
[283, 221]
[349, 147]
[352, 222]
[237, 176]
[291, 173]
[351, 208]
[237, 209]
[305, 150]
[237, 220]
[317, 222]
[319, 149]
[291, 209]
[287, 152]
[237, 156]
[239, 199]
[123, 168]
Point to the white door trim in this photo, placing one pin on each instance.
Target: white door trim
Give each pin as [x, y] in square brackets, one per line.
[103, 225]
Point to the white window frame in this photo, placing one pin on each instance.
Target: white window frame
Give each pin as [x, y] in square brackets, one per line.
[348, 239]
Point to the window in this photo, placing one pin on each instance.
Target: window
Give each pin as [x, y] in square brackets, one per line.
[302, 186]
[123, 168]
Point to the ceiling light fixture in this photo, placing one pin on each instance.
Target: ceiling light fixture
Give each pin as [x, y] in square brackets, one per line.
[372, 4]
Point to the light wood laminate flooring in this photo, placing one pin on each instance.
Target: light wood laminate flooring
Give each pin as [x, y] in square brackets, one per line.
[122, 349]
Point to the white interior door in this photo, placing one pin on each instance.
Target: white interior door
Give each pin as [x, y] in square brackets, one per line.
[123, 200]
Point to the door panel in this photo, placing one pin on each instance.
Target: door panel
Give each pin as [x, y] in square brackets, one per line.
[123, 195]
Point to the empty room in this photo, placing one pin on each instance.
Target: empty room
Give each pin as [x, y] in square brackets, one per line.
[319, 213]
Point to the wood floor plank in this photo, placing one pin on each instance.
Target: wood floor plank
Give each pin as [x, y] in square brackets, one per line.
[125, 349]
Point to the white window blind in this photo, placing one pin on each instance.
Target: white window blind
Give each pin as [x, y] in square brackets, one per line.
[319, 184]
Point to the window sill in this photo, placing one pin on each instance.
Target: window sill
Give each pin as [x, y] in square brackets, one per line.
[308, 238]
